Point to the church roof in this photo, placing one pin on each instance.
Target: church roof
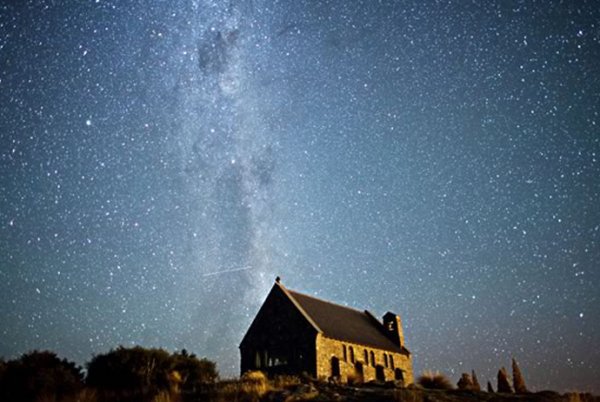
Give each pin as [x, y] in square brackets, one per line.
[343, 323]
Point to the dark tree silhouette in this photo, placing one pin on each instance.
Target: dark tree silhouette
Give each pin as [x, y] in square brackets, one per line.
[193, 372]
[123, 372]
[489, 387]
[503, 383]
[39, 376]
[465, 382]
[476, 385]
[518, 381]
[140, 374]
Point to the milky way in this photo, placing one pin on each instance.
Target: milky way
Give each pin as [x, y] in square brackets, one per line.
[162, 162]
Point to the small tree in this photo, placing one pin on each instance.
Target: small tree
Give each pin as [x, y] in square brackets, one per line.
[465, 382]
[518, 381]
[503, 383]
[476, 385]
[490, 389]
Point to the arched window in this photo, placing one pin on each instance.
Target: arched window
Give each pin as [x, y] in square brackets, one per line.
[366, 357]
[385, 359]
[344, 353]
[351, 354]
[372, 359]
[392, 361]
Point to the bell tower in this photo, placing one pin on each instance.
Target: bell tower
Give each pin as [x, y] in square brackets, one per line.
[393, 327]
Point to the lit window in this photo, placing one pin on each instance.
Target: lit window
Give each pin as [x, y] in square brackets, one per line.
[257, 360]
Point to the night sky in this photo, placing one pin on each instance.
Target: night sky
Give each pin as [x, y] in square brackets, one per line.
[162, 162]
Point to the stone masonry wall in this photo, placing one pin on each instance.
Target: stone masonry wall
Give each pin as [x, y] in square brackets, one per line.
[327, 348]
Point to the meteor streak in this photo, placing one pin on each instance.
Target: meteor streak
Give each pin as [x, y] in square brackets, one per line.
[226, 271]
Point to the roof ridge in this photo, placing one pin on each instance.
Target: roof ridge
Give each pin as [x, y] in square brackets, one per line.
[327, 301]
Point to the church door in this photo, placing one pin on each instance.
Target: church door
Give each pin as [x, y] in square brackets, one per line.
[335, 367]
[358, 371]
[379, 373]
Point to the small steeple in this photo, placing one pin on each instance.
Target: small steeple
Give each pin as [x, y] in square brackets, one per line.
[277, 280]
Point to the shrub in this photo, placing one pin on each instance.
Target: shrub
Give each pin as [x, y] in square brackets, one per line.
[145, 374]
[39, 376]
[353, 379]
[465, 382]
[254, 383]
[134, 370]
[431, 380]
[518, 381]
[476, 385]
[193, 372]
[2, 369]
[503, 383]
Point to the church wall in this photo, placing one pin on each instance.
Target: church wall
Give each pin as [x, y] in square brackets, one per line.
[327, 349]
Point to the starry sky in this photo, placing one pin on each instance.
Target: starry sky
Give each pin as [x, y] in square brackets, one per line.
[162, 162]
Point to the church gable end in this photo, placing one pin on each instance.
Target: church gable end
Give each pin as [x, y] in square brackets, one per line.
[280, 339]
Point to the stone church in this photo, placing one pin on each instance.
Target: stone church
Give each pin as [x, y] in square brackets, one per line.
[294, 333]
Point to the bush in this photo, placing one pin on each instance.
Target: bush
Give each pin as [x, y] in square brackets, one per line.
[135, 370]
[431, 380]
[2, 369]
[518, 381]
[145, 374]
[193, 372]
[38, 376]
[465, 382]
[476, 385]
[503, 383]
[255, 383]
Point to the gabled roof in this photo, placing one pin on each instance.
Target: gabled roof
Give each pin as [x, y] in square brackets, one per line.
[342, 323]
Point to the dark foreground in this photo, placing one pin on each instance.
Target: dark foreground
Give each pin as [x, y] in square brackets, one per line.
[324, 392]
[295, 390]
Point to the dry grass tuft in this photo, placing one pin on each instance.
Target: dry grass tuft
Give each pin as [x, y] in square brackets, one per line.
[285, 381]
[434, 380]
[408, 395]
[87, 395]
[254, 383]
[164, 396]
